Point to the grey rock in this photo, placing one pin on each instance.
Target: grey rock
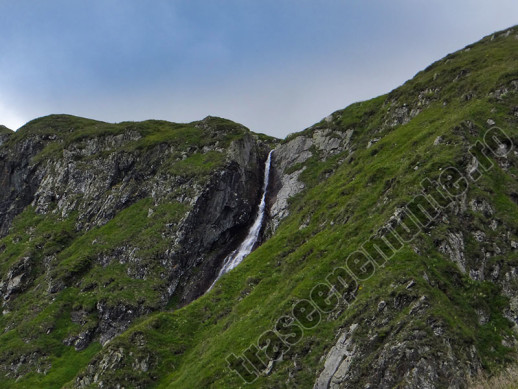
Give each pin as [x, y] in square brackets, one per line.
[286, 183]
[338, 361]
[480, 236]
[410, 284]
[372, 142]
[454, 248]
[438, 141]
[18, 278]
[481, 206]
[290, 186]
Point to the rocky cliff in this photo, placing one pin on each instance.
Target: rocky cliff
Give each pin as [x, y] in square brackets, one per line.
[388, 258]
[122, 219]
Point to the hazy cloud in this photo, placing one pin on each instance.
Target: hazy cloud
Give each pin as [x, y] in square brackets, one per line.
[276, 67]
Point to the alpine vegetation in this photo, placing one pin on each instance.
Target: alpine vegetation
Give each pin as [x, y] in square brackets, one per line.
[377, 248]
[341, 284]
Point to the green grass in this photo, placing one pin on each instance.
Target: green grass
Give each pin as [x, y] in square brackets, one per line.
[249, 300]
[67, 130]
[198, 164]
[347, 199]
[72, 271]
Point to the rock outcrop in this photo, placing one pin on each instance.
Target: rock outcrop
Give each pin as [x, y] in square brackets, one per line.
[87, 181]
[288, 164]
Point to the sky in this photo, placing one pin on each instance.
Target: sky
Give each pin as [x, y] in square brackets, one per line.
[275, 66]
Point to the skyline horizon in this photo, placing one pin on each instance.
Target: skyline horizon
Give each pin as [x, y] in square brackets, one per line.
[276, 68]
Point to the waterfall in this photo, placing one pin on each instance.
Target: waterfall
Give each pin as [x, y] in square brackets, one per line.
[246, 247]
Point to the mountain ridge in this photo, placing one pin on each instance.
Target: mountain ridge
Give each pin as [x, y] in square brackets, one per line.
[441, 311]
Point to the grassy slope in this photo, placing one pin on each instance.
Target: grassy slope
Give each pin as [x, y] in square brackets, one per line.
[190, 345]
[4, 130]
[38, 321]
[71, 129]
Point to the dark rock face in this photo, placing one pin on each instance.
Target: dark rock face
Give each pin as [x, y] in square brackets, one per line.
[18, 179]
[219, 219]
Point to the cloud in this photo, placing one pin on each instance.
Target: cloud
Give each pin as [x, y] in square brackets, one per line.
[277, 67]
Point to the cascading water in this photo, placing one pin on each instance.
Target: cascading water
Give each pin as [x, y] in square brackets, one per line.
[246, 247]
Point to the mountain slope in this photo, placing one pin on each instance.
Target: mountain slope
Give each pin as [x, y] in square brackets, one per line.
[101, 224]
[421, 321]
[442, 308]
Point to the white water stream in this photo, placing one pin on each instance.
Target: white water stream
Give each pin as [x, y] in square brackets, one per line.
[246, 247]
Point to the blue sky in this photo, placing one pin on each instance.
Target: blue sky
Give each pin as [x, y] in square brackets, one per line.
[275, 66]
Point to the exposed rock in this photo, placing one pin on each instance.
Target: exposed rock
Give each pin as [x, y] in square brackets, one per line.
[479, 235]
[18, 181]
[482, 206]
[372, 141]
[290, 186]
[338, 361]
[410, 284]
[418, 365]
[438, 141]
[80, 341]
[293, 152]
[331, 142]
[16, 279]
[426, 326]
[402, 114]
[26, 363]
[286, 184]
[454, 248]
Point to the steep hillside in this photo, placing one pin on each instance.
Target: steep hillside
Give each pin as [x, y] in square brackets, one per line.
[101, 224]
[389, 257]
